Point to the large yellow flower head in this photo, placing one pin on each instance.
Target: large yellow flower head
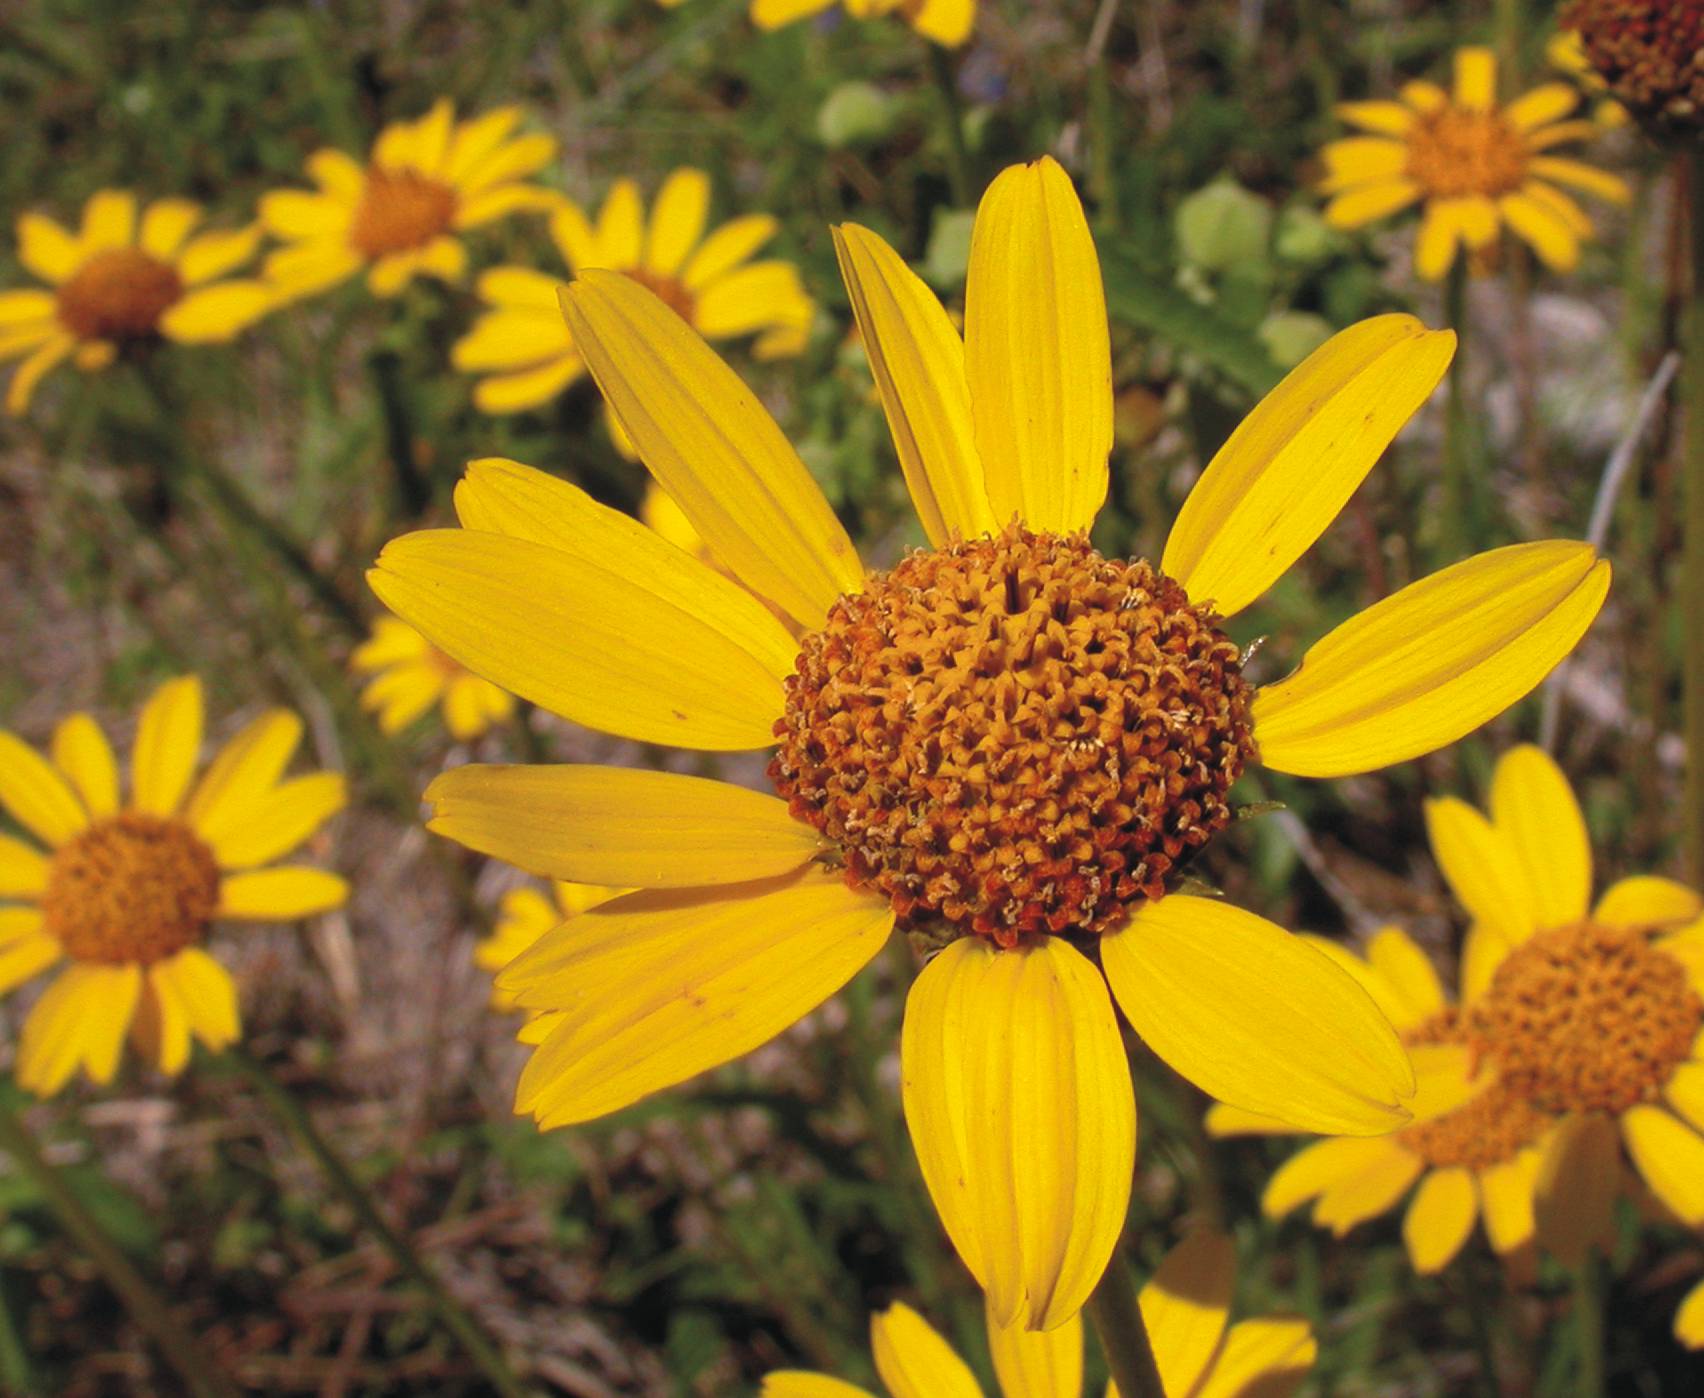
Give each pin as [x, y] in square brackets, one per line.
[522, 345]
[1592, 1012]
[121, 283]
[1475, 1147]
[1006, 744]
[1477, 167]
[947, 22]
[1185, 1309]
[400, 216]
[410, 675]
[127, 889]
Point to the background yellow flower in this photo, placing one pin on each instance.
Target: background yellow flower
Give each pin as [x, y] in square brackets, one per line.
[128, 889]
[410, 675]
[947, 22]
[121, 282]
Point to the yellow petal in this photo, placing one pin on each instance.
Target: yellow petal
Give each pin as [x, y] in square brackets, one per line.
[46, 249]
[1535, 811]
[1543, 105]
[619, 825]
[79, 1021]
[726, 248]
[1484, 872]
[1483, 950]
[1645, 901]
[1684, 1091]
[516, 159]
[295, 214]
[476, 139]
[216, 314]
[677, 220]
[1370, 202]
[772, 14]
[1328, 1164]
[914, 1361]
[161, 1027]
[711, 445]
[1017, 1092]
[1543, 228]
[1258, 1018]
[432, 137]
[1670, 1155]
[1581, 176]
[23, 869]
[489, 205]
[1435, 244]
[917, 360]
[337, 173]
[280, 895]
[1506, 1194]
[795, 1383]
[1413, 989]
[1360, 160]
[82, 753]
[26, 956]
[514, 337]
[259, 830]
[662, 985]
[244, 770]
[1264, 1358]
[1225, 1120]
[1185, 1305]
[1439, 1219]
[751, 299]
[1475, 78]
[1385, 118]
[1347, 1203]
[165, 224]
[1037, 354]
[1032, 1363]
[1431, 663]
[946, 22]
[1575, 1189]
[1294, 461]
[1688, 1320]
[38, 798]
[168, 743]
[205, 991]
[109, 220]
[31, 372]
[532, 388]
[614, 651]
[211, 255]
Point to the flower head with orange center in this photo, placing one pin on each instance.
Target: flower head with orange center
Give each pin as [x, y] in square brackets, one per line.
[1474, 1148]
[402, 214]
[410, 675]
[1588, 1011]
[1648, 54]
[1476, 165]
[1008, 742]
[128, 890]
[946, 22]
[121, 283]
[1185, 1310]
[522, 347]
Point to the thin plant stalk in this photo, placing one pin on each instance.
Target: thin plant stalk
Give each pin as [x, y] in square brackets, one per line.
[1692, 570]
[1460, 488]
[455, 1317]
[143, 1302]
[1116, 1314]
[952, 117]
[1588, 1326]
[413, 489]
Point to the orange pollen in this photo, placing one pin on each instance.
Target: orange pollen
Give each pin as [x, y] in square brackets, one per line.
[669, 290]
[1454, 152]
[1490, 1130]
[119, 294]
[134, 887]
[400, 209]
[1588, 1018]
[1015, 736]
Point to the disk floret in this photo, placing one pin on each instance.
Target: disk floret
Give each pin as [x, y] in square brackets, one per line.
[1588, 1018]
[400, 209]
[1015, 736]
[132, 888]
[1455, 152]
[119, 294]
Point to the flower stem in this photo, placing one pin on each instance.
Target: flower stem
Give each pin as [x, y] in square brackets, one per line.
[1116, 1314]
[1692, 578]
[1459, 525]
[1588, 1326]
[455, 1317]
[952, 115]
[413, 490]
[143, 1302]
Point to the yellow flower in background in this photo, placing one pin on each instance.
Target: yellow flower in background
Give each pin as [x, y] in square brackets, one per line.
[521, 345]
[1567, 52]
[1474, 1146]
[525, 915]
[974, 745]
[400, 216]
[1477, 167]
[120, 282]
[947, 22]
[1185, 1309]
[410, 675]
[1588, 1011]
[127, 890]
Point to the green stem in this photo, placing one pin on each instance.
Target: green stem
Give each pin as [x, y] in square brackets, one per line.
[952, 116]
[413, 490]
[1116, 1314]
[1460, 488]
[1692, 584]
[1588, 1326]
[143, 1302]
[1479, 1318]
[454, 1315]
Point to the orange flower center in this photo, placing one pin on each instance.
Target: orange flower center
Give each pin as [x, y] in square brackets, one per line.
[1454, 152]
[1490, 1130]
[1015, 736]
[1648, 51]
[134, 887]
[400, 209]
[669, 290]
[1588, 1018]
[119, 294]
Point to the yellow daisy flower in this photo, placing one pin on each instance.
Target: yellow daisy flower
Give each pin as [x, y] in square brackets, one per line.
[1006, 744]
[524, 916]
[127, 890]
[410, 675]
[399, 216]
[1478, 167]
[119, 283]
[1184, 1307]
[522, 344]
[1590, 1011]
[1474, 1147]
[947, 22]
